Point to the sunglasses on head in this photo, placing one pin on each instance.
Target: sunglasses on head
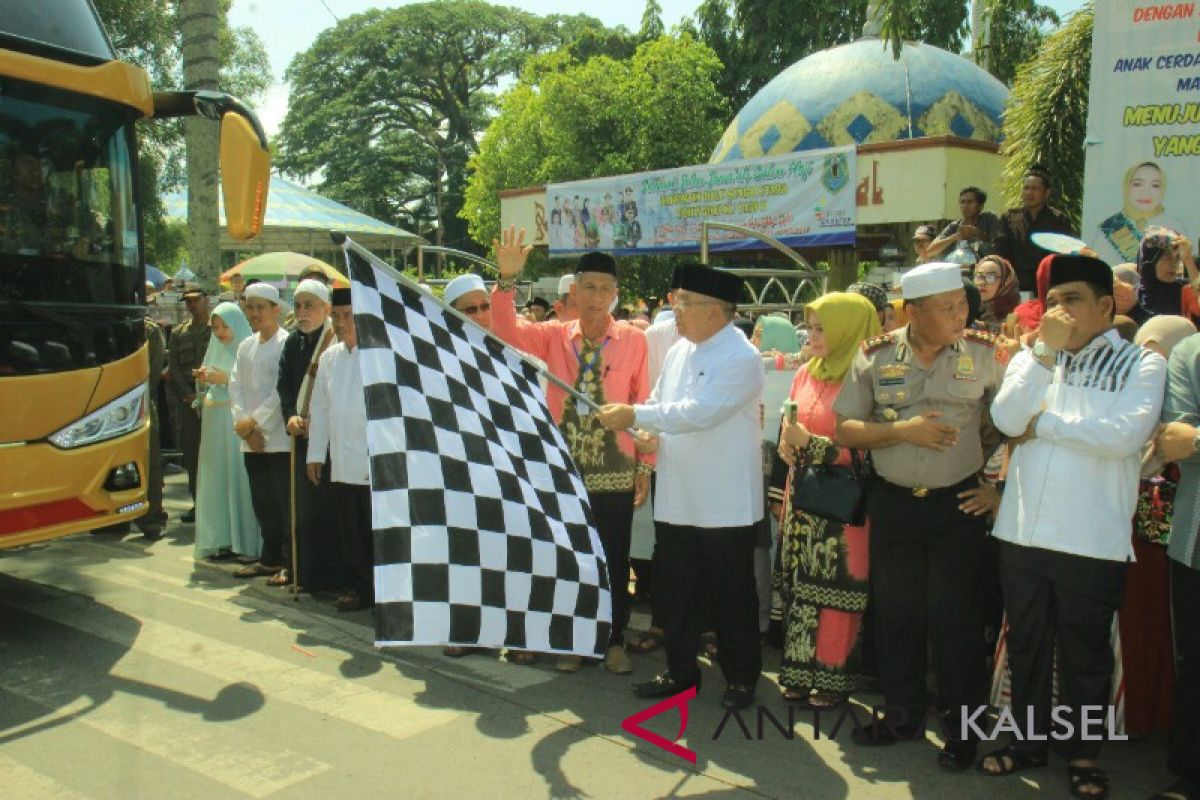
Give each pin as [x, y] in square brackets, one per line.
[469, 310]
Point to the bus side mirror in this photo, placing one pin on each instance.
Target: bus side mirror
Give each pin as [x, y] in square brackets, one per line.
[245, 176]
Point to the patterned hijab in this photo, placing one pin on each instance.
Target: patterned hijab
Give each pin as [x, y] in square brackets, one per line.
[1159, 297]
[221, 355]
[848, 320]
[1008, 292]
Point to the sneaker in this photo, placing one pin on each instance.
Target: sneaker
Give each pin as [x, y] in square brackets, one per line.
[568, 663]
[189, 516]
[617, 661]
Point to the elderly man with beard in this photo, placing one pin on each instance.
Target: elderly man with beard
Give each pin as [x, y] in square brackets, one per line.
[318, 561]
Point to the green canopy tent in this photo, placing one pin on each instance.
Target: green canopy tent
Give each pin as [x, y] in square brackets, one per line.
[299, 220]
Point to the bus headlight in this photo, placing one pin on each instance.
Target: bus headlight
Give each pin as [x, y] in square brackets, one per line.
[121, 416]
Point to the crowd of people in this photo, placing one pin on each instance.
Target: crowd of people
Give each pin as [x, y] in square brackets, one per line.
[990, 445]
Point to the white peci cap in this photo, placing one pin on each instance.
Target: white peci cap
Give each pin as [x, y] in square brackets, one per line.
[461, 285]
[929, 279]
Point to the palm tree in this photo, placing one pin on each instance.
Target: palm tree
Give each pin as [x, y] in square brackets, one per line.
[199, 26]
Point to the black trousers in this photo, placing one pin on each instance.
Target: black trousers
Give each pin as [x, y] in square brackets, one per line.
[925, 564]
[353, 505]
[319, 564]
[716, 564]
[269, 487]
[614, 523]
[1183, 754]
[1066, 601]
[187, 437]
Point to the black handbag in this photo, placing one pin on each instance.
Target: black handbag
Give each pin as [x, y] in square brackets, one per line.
[834, 492]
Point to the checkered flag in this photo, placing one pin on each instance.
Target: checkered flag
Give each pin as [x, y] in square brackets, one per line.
[483, 533]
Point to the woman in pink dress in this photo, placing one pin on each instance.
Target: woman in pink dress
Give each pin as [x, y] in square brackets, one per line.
[822, 578]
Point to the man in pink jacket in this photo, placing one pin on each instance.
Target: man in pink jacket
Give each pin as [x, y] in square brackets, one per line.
[605, 360]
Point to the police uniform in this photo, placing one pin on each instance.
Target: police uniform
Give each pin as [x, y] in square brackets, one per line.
[925, 553]
[185, 353]
[151, 523]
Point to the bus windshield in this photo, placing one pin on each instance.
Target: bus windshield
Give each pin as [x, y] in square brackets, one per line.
[70, 273]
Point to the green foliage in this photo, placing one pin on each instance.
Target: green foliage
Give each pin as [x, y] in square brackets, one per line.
[1014, 31]
[757, 39]
[387, 106]
[652, 22]
[568, 120]
[1046, 119]
[942, 23]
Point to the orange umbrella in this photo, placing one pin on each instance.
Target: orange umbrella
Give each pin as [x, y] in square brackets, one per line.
[282, 269]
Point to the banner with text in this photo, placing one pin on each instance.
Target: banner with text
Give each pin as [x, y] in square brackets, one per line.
[802, 199]
[1143, 149]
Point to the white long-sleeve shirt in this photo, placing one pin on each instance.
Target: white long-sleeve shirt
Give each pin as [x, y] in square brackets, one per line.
[252, 390]
[1073, 488]
[705, 409]
[338, 417]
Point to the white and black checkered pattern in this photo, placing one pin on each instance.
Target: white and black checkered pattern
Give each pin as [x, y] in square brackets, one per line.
[483, 533]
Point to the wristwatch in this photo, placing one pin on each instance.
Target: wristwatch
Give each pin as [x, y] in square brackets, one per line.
[1040, 350]
[506, 284]
[1196, 442]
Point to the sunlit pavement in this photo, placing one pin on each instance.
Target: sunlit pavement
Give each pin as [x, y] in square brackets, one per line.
[129, 670]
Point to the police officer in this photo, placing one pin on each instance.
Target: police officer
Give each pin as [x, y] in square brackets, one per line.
[185, 352]
[152, 522]
[915, 398]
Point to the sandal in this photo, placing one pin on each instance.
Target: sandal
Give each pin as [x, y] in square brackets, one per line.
[827, 700]
[523, 657]
[1087, 776]
[708, 645]
[1182, 789]
[280, 578]
[456, 651]
[648, 641]
[795, 694]
[1009, 760]
[255, 570]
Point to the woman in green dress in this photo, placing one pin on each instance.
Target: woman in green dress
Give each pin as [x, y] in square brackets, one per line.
[225, 523]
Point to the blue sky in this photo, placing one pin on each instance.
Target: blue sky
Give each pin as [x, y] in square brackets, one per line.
[289, 26]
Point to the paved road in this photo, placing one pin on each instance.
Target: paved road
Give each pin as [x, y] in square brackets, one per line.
[127, 670]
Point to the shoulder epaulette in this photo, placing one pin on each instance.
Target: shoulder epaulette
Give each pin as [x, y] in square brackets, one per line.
[980, 337]
[877, 342]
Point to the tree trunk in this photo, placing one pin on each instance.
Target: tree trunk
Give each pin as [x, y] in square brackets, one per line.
[199, 25]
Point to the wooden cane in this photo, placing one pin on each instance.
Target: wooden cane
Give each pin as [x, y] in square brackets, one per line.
[292, 516]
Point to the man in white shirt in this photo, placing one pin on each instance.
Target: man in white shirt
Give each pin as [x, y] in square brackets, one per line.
[709, 496]
[258, 420]
[337, 425]
[1081, 404]
[660, 337]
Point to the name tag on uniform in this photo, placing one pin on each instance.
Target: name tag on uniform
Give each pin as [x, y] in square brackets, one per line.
[958, 376]
[894, 371]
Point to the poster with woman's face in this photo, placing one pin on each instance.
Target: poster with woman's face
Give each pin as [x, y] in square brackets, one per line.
[1142, 151]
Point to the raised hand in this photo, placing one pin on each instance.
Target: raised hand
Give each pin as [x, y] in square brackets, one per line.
[511, 252]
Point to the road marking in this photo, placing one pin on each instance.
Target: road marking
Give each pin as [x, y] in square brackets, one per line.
[22, 782]
[300, 684]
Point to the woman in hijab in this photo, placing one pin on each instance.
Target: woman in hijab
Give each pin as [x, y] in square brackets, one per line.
[822, 575]
[1117, 238]
[225, 523]
[1161, 291]
[998, 288]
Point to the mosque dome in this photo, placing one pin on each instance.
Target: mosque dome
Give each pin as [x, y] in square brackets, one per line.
[859, 94]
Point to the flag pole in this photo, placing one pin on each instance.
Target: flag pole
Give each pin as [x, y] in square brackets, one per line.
[346, 243]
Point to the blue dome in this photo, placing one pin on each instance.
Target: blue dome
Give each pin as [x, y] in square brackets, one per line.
[858, 94]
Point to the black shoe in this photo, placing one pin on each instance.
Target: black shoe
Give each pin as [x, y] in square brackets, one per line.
[664, 685]
[188, 516]
[879, 734]
[737, 697]
[957, 756]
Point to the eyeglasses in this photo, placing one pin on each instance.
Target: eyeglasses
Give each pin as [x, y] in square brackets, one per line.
[472, 310]
[684, 304]
[986, 278]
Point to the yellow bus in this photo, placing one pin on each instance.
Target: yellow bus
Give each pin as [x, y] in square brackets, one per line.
[73, 357]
